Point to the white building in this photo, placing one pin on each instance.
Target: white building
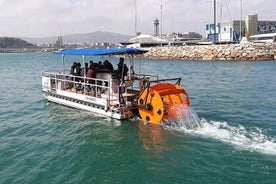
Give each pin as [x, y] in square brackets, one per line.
[232, 31]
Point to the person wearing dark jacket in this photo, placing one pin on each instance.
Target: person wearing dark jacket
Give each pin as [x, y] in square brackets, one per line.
[122, 69]
[73, 68]
[108, 66]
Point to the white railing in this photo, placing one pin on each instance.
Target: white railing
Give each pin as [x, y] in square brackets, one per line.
[77, 84]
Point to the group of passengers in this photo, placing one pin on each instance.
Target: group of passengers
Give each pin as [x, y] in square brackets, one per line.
[94, 68]
[90, 71]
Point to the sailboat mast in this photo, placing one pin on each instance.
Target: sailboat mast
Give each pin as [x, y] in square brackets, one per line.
[215, 31]
[161, 25]
[135, 18]
[241, 23]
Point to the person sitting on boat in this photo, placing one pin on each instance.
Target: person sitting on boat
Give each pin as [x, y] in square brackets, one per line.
[77, 75]
[122, 69]
[100, 65]
[91, 63]
[131, 70]
[77, 72]
[107, 65]
[73, 68]
[77, 69]
[84, 70]
[91, 73]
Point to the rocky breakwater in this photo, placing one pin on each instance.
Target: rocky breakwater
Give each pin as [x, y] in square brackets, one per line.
[232, 52]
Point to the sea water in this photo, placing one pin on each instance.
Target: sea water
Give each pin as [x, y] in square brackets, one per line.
[228, 137]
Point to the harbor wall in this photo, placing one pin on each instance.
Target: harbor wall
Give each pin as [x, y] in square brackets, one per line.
[231, 52]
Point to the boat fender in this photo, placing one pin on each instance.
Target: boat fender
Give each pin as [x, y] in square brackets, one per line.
[143, 83]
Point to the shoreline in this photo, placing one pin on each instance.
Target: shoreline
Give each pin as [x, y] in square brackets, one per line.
[232, 52]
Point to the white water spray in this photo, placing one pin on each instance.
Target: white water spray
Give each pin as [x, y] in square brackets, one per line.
[240, 137]
[185, 118]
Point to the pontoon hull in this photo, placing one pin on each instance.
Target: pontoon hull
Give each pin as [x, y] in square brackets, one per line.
[88, 106]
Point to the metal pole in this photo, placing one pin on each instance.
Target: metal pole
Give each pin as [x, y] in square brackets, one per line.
[241, 23]
[135, 18]
[63, 63]
[84, 74]
[63, 73]
[83, 64]
[161, 26]
[215, 30]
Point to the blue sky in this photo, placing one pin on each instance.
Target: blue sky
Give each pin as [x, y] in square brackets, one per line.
[40, 18]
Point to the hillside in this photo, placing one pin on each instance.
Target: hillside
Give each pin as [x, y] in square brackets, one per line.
[10, 42]
[89, 38]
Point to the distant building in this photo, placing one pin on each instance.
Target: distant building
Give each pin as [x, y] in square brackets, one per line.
[59, 42]
[232, 31]
[173, 39]
[260, 27]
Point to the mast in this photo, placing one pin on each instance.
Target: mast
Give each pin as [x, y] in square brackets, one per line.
[161, 24]
[215, 30]
[241, 35]
[135, 18]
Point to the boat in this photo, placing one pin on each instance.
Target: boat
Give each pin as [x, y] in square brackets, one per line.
[111, 93]
[264, 38]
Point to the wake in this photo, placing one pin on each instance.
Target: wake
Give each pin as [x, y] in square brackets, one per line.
[253, 139]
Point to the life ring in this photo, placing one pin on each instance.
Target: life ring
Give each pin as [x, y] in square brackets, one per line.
[143, 83]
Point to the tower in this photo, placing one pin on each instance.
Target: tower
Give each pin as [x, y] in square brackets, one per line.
[156, 27]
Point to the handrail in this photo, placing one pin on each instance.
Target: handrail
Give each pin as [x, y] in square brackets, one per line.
[78, 83]
[145, 75]
[178, 80]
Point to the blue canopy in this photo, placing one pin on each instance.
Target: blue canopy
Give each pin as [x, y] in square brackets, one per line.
[103, 51]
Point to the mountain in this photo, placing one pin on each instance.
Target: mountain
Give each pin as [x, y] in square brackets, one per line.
[93, 37]
[10, 42]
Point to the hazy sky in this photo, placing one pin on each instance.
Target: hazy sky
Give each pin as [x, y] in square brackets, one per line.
[40, 18]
